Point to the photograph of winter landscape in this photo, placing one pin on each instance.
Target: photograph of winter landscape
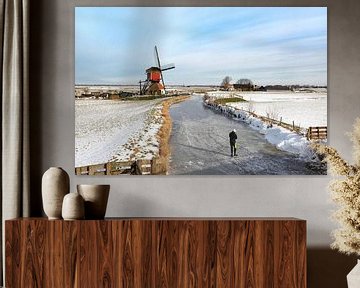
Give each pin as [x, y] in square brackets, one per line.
[200, 90]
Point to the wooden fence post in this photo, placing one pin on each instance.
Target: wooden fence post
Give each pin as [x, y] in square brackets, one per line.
[108, 168]
[316, 133]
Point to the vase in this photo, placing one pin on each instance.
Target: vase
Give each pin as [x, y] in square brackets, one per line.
[55, 185]
[96, 198]
[353, 278]
[73, 207]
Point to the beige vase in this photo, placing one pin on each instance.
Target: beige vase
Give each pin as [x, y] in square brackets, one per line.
[73, 207]
[55, 185]
[96, 198]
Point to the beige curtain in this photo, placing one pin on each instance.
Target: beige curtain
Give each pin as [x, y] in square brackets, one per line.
[14, 27]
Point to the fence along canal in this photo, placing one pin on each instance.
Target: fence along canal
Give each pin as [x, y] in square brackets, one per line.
[154, 166]
[312, 133]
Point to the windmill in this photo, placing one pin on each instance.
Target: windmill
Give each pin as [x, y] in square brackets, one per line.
[154, 74]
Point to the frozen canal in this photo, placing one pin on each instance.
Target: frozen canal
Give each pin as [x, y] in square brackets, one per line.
[200, 146]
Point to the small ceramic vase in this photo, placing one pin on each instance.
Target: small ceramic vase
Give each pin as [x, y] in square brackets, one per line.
[73, 207]
[353, 278]
[55, 185]
[96, 198]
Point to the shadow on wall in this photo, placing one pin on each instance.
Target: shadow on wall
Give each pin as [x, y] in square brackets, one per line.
[138, 206]
[36, 45]
[328, 268]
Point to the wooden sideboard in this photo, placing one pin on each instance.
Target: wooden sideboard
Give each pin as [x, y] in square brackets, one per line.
[156, 252]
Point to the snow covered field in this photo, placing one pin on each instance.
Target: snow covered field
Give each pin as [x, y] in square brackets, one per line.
[110, 130]
[306, 109]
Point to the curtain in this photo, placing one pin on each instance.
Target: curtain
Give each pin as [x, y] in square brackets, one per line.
[14, 28]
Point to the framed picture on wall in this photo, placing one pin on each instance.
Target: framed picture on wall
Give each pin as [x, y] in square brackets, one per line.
[200, 90]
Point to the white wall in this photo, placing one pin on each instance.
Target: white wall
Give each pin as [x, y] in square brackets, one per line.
[52, 81]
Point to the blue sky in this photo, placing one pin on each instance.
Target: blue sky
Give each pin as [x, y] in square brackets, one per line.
[283, 45]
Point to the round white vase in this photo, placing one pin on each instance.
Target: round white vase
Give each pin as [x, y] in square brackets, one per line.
[55, 185]
[96, 198]
[353, 278]
[73, 207]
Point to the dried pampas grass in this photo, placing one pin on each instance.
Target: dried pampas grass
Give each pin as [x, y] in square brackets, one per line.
[345, 192]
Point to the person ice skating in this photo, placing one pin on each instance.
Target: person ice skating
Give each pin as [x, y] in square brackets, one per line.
[233, 137]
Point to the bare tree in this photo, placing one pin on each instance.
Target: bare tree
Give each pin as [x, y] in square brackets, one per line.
[251, 107]
[226, 82]
[244, 82]
[272, 112]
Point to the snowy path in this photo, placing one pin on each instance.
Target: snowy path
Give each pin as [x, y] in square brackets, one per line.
[200, 145]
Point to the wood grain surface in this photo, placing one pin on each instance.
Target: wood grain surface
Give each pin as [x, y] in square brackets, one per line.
[157, 253]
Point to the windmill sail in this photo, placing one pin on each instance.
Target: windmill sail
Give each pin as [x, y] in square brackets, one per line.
[156, 56]
[157, 59]
[167, 67]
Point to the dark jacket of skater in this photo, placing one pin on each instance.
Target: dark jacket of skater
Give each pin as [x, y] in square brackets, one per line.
[233, 137]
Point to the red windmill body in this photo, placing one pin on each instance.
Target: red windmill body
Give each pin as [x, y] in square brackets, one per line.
[153, 74]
